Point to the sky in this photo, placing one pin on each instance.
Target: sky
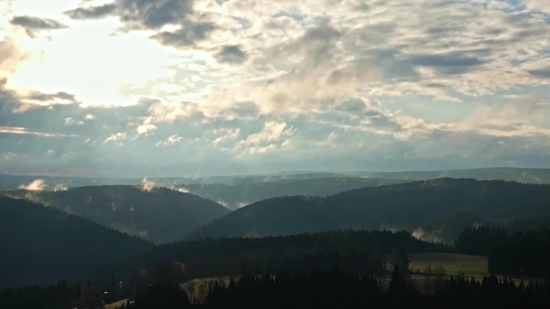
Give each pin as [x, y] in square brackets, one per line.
[133, 88]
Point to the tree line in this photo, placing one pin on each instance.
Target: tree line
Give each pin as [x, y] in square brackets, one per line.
[308, 289]
[521, 253]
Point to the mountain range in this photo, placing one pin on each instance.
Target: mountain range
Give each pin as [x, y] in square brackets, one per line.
[158, 214]
[401, 206]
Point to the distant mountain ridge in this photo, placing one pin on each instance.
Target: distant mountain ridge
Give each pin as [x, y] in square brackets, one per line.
[238, 195]
[41, 245]
[525, 175]
[158, 214]
[407, 205]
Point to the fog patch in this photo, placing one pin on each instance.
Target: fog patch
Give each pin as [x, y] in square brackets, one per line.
[392, 228]
[423, 235]
[223, 203]
[180, 189]
[35, 185]
[241, 205]
[60, 187]
[147, 185]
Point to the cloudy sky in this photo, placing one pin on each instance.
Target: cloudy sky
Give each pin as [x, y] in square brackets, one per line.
[214, 87]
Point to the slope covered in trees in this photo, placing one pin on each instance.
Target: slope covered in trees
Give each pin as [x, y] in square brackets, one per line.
[243, 193]
[447, 230]
[40, 245]
[158, 214]
[311, 289]
[518, 253]
[358, 251]
[407, 205]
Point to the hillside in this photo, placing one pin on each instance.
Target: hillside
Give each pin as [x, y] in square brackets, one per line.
[41, 245]
[238, 195]
[233, 256]
[160, 214]
[408, 205]
[523, 175]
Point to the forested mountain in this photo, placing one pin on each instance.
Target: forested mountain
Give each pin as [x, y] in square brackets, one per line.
[158, 214]
[408, 205]
[523, 175]
[40, 245]
[240, 194]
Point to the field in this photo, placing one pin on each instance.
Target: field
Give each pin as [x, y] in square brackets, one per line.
[470, 265]
[197, 288]
[115, 305]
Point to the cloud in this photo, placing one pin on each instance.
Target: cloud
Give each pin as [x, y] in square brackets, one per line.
[225, 134]
[35, 185]
[186, 36]
[148, 14]
[231, 54]
[21, 130]
[272, 131]
[145, 129]
[171, 140]
[268, 137]
[34, 24]
[11, 57]
[71, 122]
[308, 85]
[538, 5]
[89, 117]
[92, 12]
[116, 137]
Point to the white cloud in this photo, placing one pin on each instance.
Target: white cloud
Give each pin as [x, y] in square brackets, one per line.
[145, 129]
[538, 5]
[21, 130]
[116, 137]
[71, 122]
[171, 140]
[272, 131]
[89, 117]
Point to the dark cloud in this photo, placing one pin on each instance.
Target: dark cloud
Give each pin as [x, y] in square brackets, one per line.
[49, 97]
[94, 12]
[34, 24]
[542, 73]
[353, 105]
[450, 63]
[154, 14]
[187, 36]
[231, 54]
[148, 14]
[37, 23]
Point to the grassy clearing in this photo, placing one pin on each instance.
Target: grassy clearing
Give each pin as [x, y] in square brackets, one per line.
[470, 265]
[115, 304]
[198, 288]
